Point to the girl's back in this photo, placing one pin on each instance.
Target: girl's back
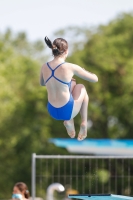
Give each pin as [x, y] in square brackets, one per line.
[57, 77]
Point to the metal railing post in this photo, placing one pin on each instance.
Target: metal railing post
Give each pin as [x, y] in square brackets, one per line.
[33, 177]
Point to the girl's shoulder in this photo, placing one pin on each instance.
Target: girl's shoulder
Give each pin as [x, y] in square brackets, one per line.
[71, 65]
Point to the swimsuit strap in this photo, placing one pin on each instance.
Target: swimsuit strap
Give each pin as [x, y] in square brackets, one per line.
[52, 75]
[59, 65]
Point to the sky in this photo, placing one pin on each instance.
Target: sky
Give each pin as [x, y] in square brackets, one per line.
[38, 18]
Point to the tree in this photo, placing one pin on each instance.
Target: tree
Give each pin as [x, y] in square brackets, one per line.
[24, 120]
[108, 53]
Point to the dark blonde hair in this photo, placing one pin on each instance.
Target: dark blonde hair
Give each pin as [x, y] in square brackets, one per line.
[59, 45]
[23, 188]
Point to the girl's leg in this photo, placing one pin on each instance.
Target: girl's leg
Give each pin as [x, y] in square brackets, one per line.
[81, 100]
[80, 105]
[69, 124]
[73, 84]
[83, 113]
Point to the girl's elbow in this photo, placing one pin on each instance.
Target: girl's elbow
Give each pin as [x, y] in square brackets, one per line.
[42, 83]
[96, 80]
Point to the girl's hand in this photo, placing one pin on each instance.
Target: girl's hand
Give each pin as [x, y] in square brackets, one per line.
[73, 79]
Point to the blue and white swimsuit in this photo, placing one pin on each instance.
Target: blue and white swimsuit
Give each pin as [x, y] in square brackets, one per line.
[64, 112]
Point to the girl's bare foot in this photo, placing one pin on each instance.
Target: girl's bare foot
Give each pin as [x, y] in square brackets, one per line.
[83, 132]
[70, 128]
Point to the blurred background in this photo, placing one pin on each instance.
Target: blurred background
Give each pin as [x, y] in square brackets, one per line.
[100, 37]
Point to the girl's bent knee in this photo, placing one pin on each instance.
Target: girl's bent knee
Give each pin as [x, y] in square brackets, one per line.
[81, 86]
[87, 97]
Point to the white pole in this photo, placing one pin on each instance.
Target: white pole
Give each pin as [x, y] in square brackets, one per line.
[33, 177]
[51, 188]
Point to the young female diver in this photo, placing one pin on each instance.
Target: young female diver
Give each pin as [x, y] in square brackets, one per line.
[65, 98]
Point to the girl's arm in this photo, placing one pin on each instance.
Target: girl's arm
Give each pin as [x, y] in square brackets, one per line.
[41, 78]
[82, 73]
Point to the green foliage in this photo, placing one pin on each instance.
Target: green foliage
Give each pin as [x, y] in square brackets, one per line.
[108, 53]
[25, 125]
[103, 175]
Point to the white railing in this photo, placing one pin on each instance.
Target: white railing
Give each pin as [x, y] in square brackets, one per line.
[87, 174]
